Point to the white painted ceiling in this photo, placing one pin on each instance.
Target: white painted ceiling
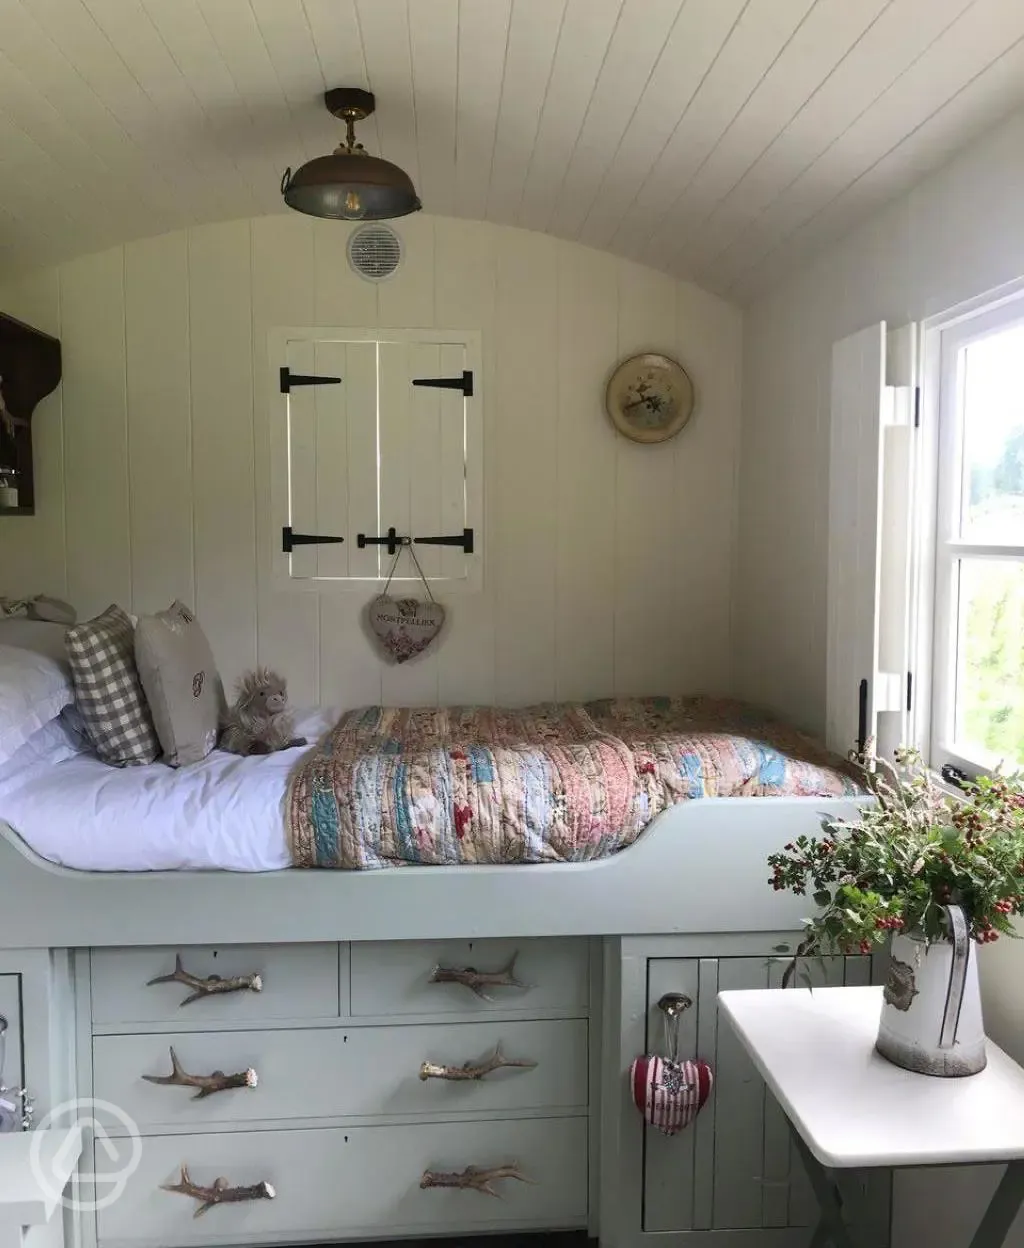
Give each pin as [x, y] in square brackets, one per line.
[722, 140]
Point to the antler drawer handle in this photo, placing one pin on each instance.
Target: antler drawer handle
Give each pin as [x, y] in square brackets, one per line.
[207, 1084]
[479, 981]
[220, 1192]
[474, 1178]
[475, 1070]
[212, 986]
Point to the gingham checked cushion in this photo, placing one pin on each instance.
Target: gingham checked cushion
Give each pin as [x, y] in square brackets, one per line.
[108, 692]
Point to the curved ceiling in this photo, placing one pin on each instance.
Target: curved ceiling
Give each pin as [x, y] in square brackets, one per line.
[721, 140]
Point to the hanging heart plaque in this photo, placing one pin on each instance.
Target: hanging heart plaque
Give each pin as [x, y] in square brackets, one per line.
[405, 627]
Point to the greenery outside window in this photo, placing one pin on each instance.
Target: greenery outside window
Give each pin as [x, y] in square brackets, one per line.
[977, 719]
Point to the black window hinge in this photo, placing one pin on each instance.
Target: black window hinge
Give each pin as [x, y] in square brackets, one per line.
[910, 691]
[917, 407]
[290, 539]
[463, 383]
[289, 379]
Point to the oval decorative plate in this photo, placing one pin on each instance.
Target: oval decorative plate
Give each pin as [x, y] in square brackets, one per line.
[649, 398]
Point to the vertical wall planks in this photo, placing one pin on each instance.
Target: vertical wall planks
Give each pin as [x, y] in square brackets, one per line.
[340, 297]
[220, 332]
[465, 257]
[587, 511]
[349, 669]
[288, 628]
[406, 301]
[32, 554]
[706, 454]
[96, 433]
[607, 566]
[645, 653]
[522, 545]
[159, 421]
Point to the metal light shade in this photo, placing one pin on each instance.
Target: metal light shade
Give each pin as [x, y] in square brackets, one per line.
[351, 187]
[350, 184]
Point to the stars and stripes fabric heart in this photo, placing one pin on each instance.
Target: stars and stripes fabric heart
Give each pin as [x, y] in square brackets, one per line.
[670, 1094]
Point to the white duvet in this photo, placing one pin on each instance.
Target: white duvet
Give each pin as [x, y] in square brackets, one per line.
[225, 813]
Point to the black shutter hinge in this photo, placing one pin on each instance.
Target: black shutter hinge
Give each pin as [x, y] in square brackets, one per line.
[910, 691]
[289, 539]
[862, 717]
[463, 383]
[289, 379]
[463, 539]
[917, 407]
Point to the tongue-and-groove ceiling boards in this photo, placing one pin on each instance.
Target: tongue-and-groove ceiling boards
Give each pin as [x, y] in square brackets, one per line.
[720, 140]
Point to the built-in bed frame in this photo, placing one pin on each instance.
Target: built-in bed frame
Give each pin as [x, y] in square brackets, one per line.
[700, 867]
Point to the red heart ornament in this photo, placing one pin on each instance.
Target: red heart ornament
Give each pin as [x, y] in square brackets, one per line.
[670, 1094]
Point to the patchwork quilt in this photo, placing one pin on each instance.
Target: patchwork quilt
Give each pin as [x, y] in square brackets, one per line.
[550, 783]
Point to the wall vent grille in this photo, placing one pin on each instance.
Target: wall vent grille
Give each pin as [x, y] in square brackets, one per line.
[374, 252]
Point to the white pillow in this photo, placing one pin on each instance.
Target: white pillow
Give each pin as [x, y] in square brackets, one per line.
[33, 690]
[54, 743]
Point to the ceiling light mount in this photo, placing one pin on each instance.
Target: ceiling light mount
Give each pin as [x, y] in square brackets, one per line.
[350, 104]
[349, 184]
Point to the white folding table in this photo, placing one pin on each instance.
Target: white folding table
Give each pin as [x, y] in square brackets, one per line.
[850, 1109]
[35, 1167]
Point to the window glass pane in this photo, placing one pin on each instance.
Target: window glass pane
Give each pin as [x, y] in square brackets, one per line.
[993, 454]
[990, 662]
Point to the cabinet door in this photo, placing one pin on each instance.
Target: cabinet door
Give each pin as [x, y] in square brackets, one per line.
[734, 1167]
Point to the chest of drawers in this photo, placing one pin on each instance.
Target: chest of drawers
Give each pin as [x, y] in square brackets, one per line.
[376, 1090]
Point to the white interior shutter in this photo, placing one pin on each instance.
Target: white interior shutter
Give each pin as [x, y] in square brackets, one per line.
[869, 540]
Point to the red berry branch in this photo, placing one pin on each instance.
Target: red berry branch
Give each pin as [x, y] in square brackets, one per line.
[913, 851]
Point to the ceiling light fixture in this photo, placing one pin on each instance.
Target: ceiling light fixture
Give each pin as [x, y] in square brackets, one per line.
[350, 185]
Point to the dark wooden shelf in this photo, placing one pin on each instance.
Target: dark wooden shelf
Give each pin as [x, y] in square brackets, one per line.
[30, 367]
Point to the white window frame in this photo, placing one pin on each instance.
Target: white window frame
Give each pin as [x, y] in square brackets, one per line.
[939, 547]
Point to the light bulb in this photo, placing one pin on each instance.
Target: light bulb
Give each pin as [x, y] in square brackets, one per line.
[353, 209]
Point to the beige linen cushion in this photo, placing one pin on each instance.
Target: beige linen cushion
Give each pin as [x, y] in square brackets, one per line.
[182, 686]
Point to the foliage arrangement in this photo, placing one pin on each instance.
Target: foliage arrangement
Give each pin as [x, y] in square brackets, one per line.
[910, 854]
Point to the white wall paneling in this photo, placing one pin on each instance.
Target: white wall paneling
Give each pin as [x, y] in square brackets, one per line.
[607, 565]
[955, 236]
[712, 138]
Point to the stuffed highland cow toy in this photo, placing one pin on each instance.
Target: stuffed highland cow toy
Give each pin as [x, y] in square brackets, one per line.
[259, 722]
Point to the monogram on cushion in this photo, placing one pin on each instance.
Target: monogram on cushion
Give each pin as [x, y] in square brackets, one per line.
[670, 1094]
[108, 692]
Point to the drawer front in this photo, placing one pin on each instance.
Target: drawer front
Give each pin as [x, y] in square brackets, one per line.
[343, 1182]
[352, 1072]
[399, 977]
[295, 981]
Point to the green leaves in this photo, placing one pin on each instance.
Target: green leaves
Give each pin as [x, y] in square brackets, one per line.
[907, 857]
